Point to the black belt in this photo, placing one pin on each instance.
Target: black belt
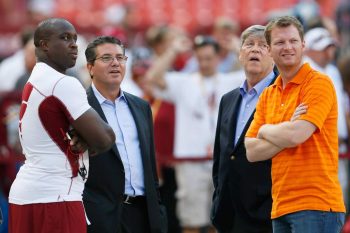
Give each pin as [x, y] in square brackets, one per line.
[132, 199]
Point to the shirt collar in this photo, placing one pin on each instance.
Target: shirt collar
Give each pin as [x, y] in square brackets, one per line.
[298, 78]
[259, 87]
[101, 99]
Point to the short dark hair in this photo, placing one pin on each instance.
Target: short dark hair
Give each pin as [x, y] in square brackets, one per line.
[202, 41]
[90, 52]
[282, 22]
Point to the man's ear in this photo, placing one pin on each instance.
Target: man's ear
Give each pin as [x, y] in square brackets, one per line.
[89, 68]
[43, 44]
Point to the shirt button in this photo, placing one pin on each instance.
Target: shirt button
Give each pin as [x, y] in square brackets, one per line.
[232, 157]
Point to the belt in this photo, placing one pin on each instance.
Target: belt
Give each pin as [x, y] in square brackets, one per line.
[132, 199]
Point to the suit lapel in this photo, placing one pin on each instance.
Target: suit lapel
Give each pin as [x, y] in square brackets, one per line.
[140, 123]
[140, 116]
[232, 115]
[241, 138]
[96, 105]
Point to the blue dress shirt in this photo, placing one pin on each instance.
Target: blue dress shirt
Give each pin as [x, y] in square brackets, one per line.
[248, 103]
[119, 117]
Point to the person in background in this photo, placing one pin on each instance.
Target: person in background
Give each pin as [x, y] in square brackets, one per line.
[13, 67]
[29, 62]
[242, 196]
[225, 32]
[320, 48]
[306, 192]
[196, 98]
[56, 125]
[164, 127]
[122, 191]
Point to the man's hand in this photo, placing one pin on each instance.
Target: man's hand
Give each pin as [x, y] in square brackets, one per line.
[300, 110]
[181, 44]
[77, 143]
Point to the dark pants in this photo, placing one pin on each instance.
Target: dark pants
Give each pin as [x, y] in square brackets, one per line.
[167, 193]
[134, 217]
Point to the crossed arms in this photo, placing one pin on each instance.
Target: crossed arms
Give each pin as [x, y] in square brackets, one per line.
[273, 138]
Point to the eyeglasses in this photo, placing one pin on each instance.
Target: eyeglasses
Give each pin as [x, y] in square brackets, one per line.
[110, 59]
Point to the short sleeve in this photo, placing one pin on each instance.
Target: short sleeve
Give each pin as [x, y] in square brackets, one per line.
[319, 95]
[73, 95]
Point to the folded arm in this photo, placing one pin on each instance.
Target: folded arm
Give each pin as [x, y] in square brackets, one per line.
[287, 134]
[258, 149]
[97, 134]
[273, 138]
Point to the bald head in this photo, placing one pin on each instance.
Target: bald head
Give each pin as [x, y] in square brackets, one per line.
[47, 27]
[55, 43]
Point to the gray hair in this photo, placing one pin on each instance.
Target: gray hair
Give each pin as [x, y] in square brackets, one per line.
[255, 30]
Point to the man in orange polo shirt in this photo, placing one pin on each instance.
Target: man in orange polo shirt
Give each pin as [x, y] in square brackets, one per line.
[295, 124]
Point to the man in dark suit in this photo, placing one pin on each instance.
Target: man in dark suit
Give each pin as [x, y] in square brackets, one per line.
[121, 193]
[242, 196]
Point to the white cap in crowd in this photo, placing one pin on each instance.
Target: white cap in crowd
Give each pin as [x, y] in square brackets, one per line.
[318, 39]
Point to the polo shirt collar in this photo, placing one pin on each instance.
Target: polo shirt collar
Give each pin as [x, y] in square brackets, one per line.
[299, 77]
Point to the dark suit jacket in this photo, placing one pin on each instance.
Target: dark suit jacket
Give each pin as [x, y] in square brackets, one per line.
[104, 188]
[242, 197]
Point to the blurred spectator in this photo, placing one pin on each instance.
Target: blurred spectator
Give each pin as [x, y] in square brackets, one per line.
[343, 25]
[159, 38]
[41, 9]
[123, 21]
[320, 49]
[79, 71]
[306, 12]
[225, 33]
[196, 98]
[29, 63]
[13, 67]
[343, 66]
[164, 122]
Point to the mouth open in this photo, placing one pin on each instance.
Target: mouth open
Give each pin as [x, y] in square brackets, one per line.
[114, 72]
[254, 59]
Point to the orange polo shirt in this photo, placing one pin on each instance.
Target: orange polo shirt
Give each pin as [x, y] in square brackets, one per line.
[304, 177]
